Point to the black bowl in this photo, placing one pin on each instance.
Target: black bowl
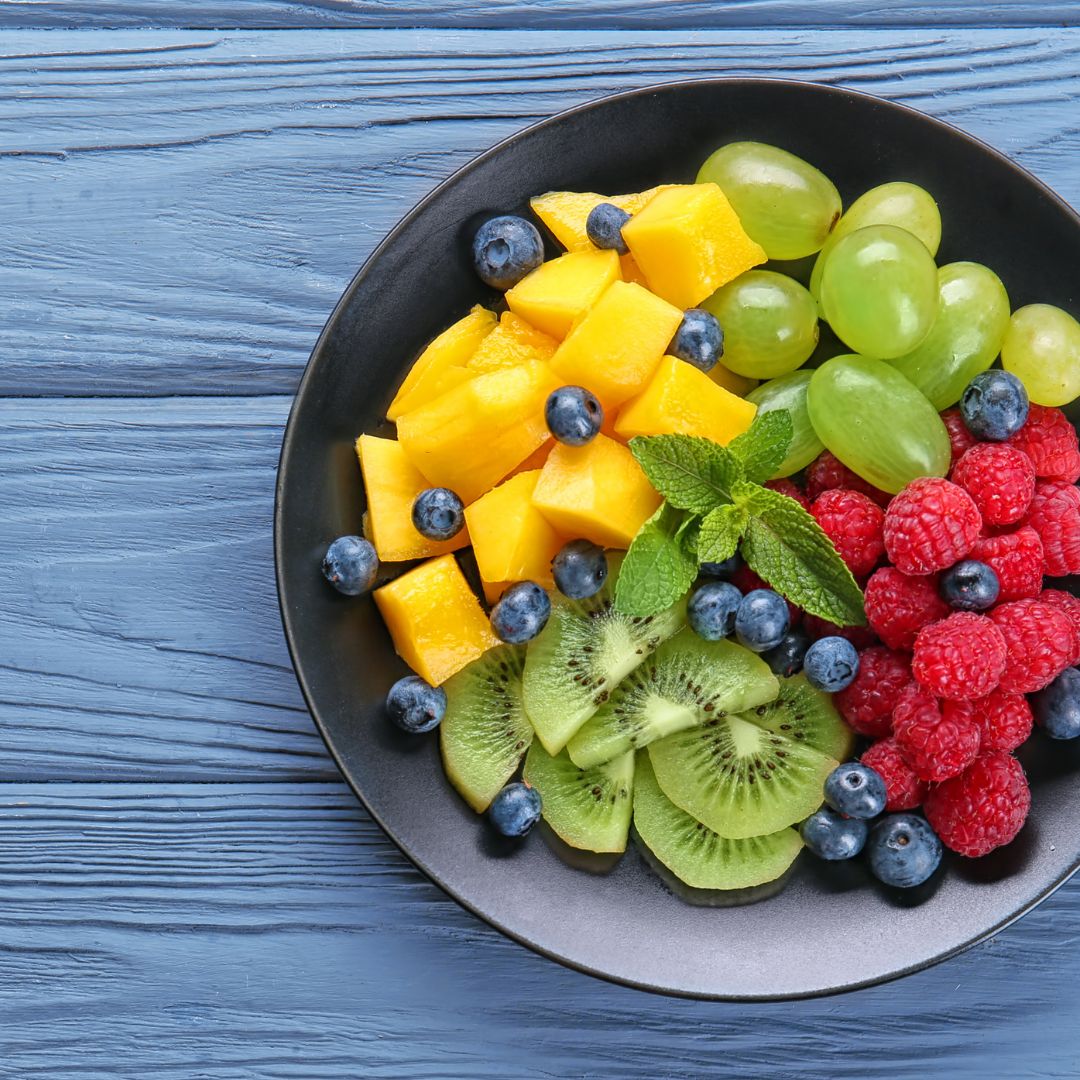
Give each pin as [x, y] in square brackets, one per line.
[832, 928]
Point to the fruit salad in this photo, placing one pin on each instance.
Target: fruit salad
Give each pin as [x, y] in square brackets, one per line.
[670, 563]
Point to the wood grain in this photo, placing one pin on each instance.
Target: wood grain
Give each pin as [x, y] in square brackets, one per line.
[182, 210]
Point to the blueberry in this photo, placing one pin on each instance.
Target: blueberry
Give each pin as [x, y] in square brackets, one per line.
[786, 659]
[414, 705]
[1057, 708]
[438, 514]
[573, 415]
[855, 790]
[762, 620]
[580, 569]
[350, 565]
[515, 810]
[521, 613]
[829, 835]
[604, 227]
[712, 610]
[831, 664]
[699, 339]
[721, 569]
[505, 249]
[994, 405]
[903, 850]
[970, 586]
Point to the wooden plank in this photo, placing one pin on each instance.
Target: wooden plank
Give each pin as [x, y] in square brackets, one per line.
[269, 931]
[182, 209]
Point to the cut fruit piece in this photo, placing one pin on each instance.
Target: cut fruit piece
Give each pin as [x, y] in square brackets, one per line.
[436, 622]
[392, 483]
[587, 808]
[631, 271]
[688, 242]
[565, 212]
[585, 650]
[512, 342]
[557, 293]
[739, 779]
[485, 731]
[682, 400]
[442, 365]
[597, 492]
[683, 684]
[697, 855]
[616, 347]
[806, 716]
[472, 437]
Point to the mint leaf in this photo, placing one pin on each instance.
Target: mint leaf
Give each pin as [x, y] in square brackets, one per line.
[785, 546]
[660, 566]
[690, 472]
[720, 532]
[764, 445]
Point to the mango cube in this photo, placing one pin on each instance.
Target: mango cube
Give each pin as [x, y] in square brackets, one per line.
[631, 271]
[681, 399]
[596, 491]
[470, 438]
[512, 342]
[441, 366]
[615, 348]
[560, 291]
[435, 620]
[565, 212]
[688, 242]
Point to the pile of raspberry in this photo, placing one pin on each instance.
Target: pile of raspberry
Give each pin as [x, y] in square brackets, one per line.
[942, 692]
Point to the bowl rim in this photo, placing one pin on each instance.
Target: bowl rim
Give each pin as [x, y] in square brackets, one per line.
[289, 435]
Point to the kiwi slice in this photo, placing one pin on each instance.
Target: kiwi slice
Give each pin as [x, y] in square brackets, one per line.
[585, 650]
[684, 683]
[694, 853]
[806, 716]
[739, 779]
[485, 730]
[586, 808]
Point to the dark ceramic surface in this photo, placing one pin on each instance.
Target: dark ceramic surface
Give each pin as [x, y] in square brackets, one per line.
[831, 928]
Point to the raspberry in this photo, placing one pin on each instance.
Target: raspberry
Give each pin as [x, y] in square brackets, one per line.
[898, 606]
[903, 789]
[1071, 606]
[1000, 479]
[1004, 721]
[828, 472]
[930, 525]
[791, 489]
[1039, 642]
[745, 580]
[959, 658]
[1017, 559]
[854, 524]
[868, 703]
[1055, 516]
[938, 739]
[862, 637]
[1050, 441]
[983, 808]
[959, 437]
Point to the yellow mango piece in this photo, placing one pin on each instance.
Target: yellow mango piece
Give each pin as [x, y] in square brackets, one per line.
[472, 437]
[631, 271]
[596, 491]
[560, 291]
[512, 540]
[535, 460]
[392, 483]
[565, 212]
[442, 365]
[615, 348]
[688, 242]
[740, 385]
[435, 619]
[512, 342]
[682, 400]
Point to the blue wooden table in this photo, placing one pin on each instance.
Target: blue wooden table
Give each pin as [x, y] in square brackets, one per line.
[187, 888]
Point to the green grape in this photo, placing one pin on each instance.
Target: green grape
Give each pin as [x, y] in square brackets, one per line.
[904, 205]
[784, 203]
[1042, 349]
[789, 392]
[876, 422]
[973, 315]
[879, 291]
[770, 323]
